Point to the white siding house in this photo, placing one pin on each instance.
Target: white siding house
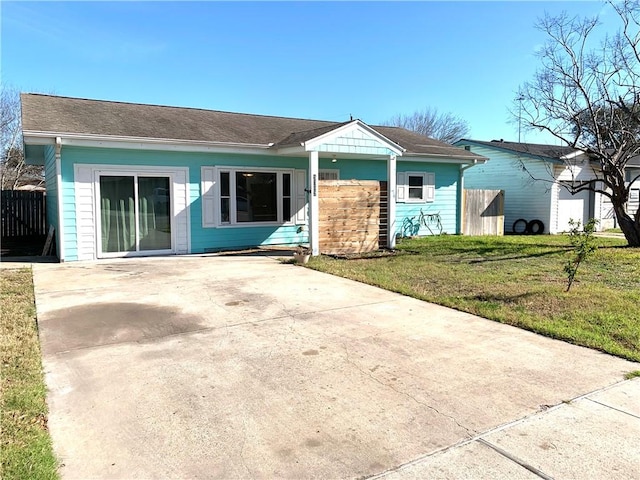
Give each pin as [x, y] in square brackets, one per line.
[530, 176]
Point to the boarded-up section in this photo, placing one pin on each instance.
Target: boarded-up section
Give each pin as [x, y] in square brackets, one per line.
[483, 212]
[353, 216]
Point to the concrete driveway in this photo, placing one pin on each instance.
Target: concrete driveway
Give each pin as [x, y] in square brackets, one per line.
[244, 367]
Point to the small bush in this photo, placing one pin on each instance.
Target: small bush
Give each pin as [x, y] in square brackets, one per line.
[583, 244]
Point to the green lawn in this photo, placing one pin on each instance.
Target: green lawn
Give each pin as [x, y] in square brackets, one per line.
[25, 444]
[517, 280]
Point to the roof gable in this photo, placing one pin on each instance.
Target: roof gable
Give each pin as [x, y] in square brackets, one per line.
[354, 137]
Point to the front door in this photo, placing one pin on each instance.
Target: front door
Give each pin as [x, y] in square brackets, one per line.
[134, 215]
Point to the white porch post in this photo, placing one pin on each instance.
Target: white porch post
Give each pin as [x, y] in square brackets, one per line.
[391, 201]
[314, 228]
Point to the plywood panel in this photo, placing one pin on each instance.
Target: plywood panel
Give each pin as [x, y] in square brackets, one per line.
[352, 216]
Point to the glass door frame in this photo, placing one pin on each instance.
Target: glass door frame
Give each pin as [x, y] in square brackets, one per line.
[135, 173]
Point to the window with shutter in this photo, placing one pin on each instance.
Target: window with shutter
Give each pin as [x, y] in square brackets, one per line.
[415, 187]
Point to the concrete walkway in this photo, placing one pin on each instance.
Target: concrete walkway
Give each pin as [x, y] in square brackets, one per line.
[244, 367]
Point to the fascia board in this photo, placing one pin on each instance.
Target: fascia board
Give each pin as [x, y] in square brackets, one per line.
[512, 152]
[137, 143]
[296, 150]
[572, 155]
[417, 157]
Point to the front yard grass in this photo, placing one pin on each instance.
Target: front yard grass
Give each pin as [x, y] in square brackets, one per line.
[518, 280]
[25, 444]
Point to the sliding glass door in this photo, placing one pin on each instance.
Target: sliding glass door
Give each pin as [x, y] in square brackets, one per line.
[135, 214]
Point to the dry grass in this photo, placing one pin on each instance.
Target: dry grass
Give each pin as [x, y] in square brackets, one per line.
[517, 280]
[24, 438]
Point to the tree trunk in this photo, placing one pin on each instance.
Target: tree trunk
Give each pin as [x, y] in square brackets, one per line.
[630, 227]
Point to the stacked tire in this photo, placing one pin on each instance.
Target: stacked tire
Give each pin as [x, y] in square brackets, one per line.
[524, 227]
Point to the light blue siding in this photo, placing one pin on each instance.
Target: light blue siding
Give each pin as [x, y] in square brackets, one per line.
[212, 239]
[524, 197]
[446, 198]
[445, 203]
[52, 191]
[202, 239]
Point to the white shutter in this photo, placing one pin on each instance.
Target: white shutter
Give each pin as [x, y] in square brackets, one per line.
[301, 197]
[430, 187]
[208, 197]
[180, 202]
[400, 187]
[85, 216]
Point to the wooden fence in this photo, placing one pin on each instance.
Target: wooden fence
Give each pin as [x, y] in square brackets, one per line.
[353, 216]
[23, 214]
[483, 212]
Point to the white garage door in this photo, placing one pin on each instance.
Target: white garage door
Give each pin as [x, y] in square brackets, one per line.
[574, 207]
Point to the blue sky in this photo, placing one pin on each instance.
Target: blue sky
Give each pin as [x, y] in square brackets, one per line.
[325, 60]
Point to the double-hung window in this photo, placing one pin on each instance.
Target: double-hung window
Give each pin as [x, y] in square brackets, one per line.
[415, 187]
[254, 196]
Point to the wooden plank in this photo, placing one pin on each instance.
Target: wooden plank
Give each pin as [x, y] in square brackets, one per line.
[47, 244]
[350, 215]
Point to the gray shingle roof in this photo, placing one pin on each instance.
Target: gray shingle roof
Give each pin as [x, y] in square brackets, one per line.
[297, 138]
[535, 149]
[65, 115]
[554, 152]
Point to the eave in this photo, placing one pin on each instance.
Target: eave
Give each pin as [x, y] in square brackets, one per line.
[543, 158]
[436, 158]
[143, 143]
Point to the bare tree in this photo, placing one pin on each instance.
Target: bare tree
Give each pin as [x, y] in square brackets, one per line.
[588, 96]
[14, 172]
[445, 127]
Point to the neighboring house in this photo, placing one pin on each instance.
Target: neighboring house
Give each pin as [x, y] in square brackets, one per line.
[632, 176]
[530, 175]
[128, 179]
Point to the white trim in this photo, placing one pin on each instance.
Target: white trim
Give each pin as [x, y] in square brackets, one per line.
[428, 187]
[572, 155]
[354, 125]
[97, 173]
[233, 221]
[301, 217]
[391, 201]
[292, 151]
[423, 198]
[176, 176]
[314, 206]
[60, 199]
[142, 143]
[432, 158]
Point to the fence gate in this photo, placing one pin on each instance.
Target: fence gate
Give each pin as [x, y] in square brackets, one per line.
[353, 216]
[23, 214]
[483, 212]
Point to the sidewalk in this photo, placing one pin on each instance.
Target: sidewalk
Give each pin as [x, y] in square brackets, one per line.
[591, 437]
